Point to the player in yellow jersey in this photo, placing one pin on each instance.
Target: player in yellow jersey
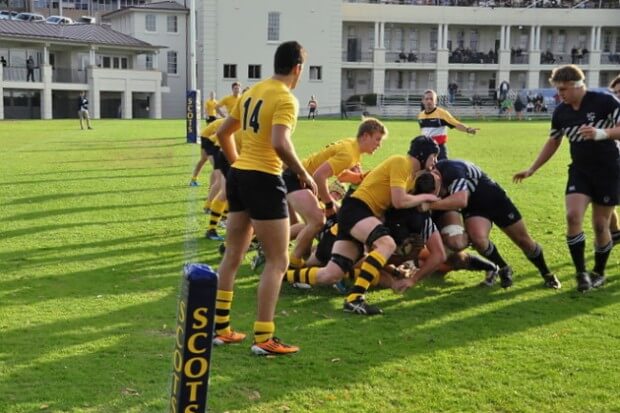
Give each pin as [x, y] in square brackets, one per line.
[265, 118]
[210, 104]
[435, 121]
[387, 185]
[208, 148]
[330, 161]
[229, 102]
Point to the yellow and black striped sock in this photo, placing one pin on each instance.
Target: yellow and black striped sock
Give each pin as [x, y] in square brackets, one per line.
[353, 274]
[223, 302]
[294, 262]
[371, 270]
[207, 205]
[263, 331]
[216, 213]
[302, 275]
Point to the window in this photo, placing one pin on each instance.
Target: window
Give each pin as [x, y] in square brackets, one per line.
[433, 38]
[316, 73]
[124, 63]
[230, 71]
[606, 41]
[399, 81]
[397, 40]
[106, 62]
[117, 62]
[350, 79]
[561, 45]
[549, 40]
[253, 71]
[523, 40]
[413, 77]
[618, 43]
[413, 40]
[387, 37]
[273, 26]
[582, 39]
[172, 22]
[460, 39]
[150, 23]
[473, 40]
[172, 62]
[149, 62]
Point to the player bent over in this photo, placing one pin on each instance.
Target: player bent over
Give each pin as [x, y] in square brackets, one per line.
[483, 203]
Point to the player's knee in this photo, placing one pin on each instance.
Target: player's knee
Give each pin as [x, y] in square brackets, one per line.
[379, 238]
[573, 218]
[479, 241]
[600, 225]
[454, 237]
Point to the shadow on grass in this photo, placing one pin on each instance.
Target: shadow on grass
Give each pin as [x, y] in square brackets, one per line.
[104, 160]
[92, 178]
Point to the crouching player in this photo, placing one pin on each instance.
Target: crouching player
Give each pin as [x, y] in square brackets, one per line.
[483, 203]
[386, 186]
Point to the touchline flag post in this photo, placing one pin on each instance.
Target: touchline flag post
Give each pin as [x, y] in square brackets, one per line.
[193, 340]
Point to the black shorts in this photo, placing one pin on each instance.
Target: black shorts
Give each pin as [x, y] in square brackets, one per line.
[352, 211]
[211, 119]
[292, 182]
[209, 147]
[261, 195]
[220, 162]
[603, 188]
[490, 201]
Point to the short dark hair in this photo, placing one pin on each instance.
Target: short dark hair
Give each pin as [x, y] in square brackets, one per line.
[424, 184]
[288, 55]
[614, 82]
[235, 84]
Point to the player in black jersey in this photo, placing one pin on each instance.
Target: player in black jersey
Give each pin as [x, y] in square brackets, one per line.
[483, 203]
[591, 122]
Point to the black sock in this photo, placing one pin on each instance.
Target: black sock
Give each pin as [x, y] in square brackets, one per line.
[577, 246]
[492, 254]
[601, 254]
[476, 263]
[537, 258]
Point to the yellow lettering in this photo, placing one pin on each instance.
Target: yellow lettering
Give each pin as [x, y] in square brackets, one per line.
[191, 343]
[200, 314]
[202, 367]
[191, 408]
[182, 311]
[173, 404]
[179, 336]
[178, 360]
[193, 390]
[175, 382]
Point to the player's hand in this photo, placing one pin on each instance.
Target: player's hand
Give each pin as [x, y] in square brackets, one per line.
[308, 182]
[472, 131]
[592, 133]
[330, 212]
[428, 197]
[401, 285]
[520, 176]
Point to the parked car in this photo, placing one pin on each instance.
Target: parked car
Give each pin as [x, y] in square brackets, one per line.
[59, 20]
[30, 17]
[86, 20]
[7, 14]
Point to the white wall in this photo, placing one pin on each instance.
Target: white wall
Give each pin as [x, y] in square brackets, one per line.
[235, 32]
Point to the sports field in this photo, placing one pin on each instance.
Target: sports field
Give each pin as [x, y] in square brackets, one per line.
[95, 227]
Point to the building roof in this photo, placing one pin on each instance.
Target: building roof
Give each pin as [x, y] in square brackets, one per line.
[165, 6]
[75, 33]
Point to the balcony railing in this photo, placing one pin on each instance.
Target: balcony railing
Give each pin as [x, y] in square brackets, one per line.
[548, 58]
[610, 58]
[66, 75]
[521, 59]
[19, 74]
[401, 57]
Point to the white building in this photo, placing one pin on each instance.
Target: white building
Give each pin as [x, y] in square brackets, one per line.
[162, 23]
[69, 59]
[405, 46]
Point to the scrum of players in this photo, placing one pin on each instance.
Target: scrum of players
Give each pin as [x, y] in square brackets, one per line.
[414, 215]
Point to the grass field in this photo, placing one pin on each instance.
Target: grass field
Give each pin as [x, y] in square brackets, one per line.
[96, 225]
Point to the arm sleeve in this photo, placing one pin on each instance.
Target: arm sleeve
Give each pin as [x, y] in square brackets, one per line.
[286, 112]
[399, 173]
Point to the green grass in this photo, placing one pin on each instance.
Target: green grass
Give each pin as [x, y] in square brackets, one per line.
[96, 225]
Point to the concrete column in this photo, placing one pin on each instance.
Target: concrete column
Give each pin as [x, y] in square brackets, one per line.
[439, 36]
[1, 93]
[445, 36]
[94, 96]
[597, 45]
[502, 38]
[538, 40]
[382, 35]
[441, 81]
[508, 28]
[592, 78]
[92, 56]
[126, 103]
[593, 38]
[46, 54]
[156, 104]
[155, 57]
[532, 38]
[378, 58]
[532, 78]
[378, 71]
[377, 30]
[46, 93]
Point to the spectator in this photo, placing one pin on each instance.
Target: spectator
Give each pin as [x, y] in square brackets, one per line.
[343, 110]
[3, 61]
[574, 52]
[402, 57]
[30, 69]
[83, 110]
[411, 57]
[452, 89]
[313, 105]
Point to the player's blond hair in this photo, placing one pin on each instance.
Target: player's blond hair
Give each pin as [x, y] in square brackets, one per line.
[370, 126]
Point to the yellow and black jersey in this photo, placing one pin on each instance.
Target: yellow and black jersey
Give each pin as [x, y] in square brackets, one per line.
[435, 124]
[375, 190]
[208, 132]
[340, 155]
[229, 103]
[268, 103]
[210, 105]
